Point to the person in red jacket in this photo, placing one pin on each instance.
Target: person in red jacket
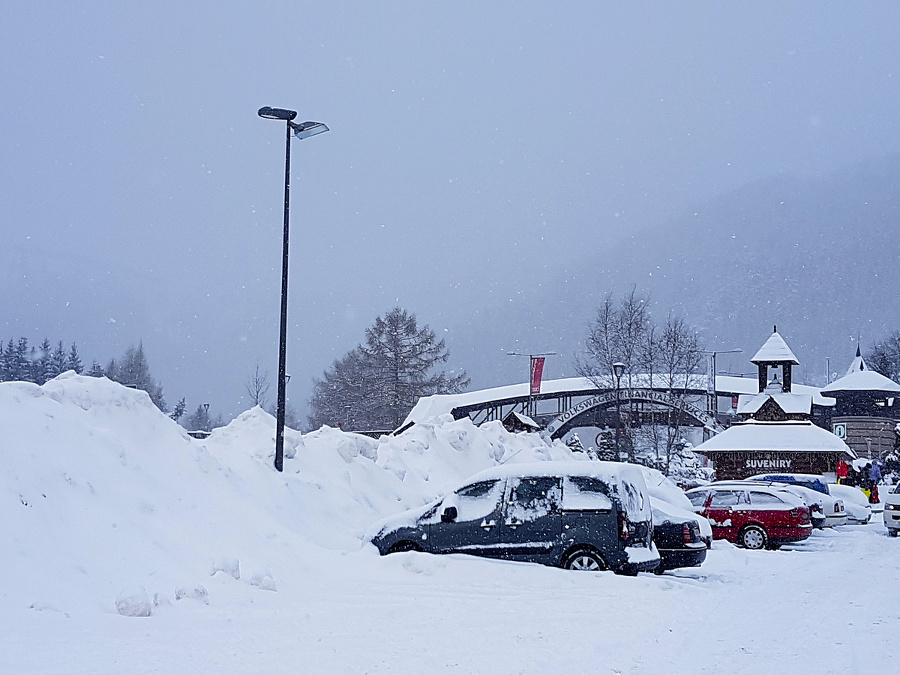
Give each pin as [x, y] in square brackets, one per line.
[841, 469]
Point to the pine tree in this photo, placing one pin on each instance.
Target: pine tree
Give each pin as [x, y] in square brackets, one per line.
[22, 366]
[73, 361]
[134, 371]
[56, 363]
[180, 407]
[375, 385]
[7, 362]
[96, 370]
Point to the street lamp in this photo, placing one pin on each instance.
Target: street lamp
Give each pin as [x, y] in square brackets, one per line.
[301, 131]
[618, 370]
[711, 390]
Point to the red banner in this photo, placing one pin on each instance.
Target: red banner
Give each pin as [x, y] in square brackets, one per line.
[537, 370]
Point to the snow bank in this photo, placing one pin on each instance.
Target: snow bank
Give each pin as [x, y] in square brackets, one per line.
[104, 494]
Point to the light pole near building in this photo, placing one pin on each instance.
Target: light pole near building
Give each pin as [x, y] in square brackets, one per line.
[618, 370]
[301, 131]
[711, 390]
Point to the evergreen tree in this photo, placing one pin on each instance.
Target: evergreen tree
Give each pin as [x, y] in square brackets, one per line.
[57, 361]
[23, 363]
[199, 420]
[134, 371]
[884, 357]
[73, 361]
[96, 370]
[575, 444]
[180, 407]
[8, 362]
[375, 385]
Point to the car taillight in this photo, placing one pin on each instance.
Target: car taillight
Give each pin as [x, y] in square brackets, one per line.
[686, 537]
[795, 512]
[624, 531]
[837, 508]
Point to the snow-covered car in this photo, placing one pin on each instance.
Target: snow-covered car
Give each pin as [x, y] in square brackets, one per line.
[752, 515]
[856, 504]
[682, 537]
[833, 509]
[892, 511]
[577, 515]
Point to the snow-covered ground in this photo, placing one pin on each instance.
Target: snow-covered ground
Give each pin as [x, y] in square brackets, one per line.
[110, 510]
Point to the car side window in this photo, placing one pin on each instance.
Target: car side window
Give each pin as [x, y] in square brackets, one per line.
[726, 498]
[477, 500]
[584, 493]
[532, 498]
[697, 498]
[762, 498]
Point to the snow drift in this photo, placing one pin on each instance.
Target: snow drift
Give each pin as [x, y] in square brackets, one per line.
[109, 503]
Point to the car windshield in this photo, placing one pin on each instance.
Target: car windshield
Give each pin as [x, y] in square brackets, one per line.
[897, 489]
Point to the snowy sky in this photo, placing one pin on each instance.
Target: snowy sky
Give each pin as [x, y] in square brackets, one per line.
[474, 148]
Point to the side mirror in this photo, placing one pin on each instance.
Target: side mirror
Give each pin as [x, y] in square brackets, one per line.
[449, 515]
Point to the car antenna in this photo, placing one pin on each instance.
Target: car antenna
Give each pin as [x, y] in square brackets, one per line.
[509, 458]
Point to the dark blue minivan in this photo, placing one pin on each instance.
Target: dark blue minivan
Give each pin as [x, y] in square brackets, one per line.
[582, 515]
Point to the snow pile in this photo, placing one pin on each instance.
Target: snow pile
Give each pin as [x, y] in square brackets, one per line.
[108, 502]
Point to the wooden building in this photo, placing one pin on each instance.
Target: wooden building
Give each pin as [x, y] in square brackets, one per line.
[775, 432]
[867, 409]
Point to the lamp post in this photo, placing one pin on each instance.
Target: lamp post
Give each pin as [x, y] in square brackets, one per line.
[618, 370]
[711, 390]
[301, 131]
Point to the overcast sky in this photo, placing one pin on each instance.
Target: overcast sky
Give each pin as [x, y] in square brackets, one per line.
[474, 147]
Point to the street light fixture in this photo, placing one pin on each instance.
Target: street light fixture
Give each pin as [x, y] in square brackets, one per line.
[301, 131]
[618, 371]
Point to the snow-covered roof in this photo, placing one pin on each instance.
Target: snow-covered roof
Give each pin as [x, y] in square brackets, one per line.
[775, 436]
[429, 407]
[792, 404]
[524, 419]
[858, 363]
[863, 380]
[729, 384]
[775, 350]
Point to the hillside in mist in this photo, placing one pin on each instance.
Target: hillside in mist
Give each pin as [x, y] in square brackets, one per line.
[817, 257]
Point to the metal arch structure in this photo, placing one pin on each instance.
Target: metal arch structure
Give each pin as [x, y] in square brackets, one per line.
[561, 410]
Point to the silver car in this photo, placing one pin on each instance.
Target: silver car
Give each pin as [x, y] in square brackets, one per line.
[892, 511]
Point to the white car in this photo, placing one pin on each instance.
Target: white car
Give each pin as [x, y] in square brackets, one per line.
[892, 511]
[832, 507]
[855, 502]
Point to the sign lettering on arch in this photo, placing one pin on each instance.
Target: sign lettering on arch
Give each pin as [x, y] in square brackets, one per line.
[649, 395]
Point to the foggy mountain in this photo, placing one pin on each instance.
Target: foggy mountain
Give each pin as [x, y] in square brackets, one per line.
[818, 257]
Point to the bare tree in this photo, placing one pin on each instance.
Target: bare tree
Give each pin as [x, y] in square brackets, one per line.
[666, 356]
[257, 386]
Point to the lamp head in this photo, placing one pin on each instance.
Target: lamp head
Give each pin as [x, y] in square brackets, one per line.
[618, 368]
[276, 113]
[307, 129]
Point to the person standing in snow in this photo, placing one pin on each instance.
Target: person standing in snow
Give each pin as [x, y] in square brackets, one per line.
[841, 469]
[874, 479]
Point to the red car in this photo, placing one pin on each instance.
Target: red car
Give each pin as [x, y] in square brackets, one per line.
[752, 516]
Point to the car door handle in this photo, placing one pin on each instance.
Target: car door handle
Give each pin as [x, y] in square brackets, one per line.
[514, 523]
[488, 524]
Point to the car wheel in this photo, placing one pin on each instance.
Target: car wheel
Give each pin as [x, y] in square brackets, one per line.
[402, 546]
[893, 533]
[585, 560]
[753, 537]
